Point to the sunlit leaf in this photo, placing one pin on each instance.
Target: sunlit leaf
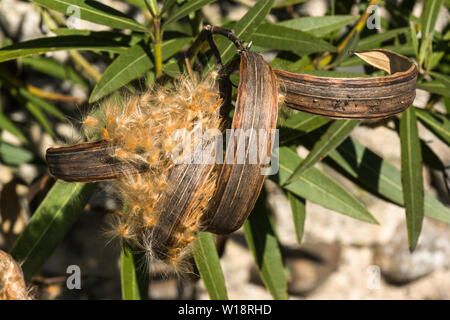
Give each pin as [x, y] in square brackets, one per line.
[47, 227]
[412, 176]
[208, 264]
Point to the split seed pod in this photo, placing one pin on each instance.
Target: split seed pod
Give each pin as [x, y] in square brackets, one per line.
[256, 112]
[356, 98]
[218, 198]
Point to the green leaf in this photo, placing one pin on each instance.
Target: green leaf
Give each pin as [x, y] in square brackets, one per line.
[54, 69]
[302, 123]
[8, 125]
[439, 125]
[283, 38]
[51, 44]
[152, 6]
[429, 16]
[128, 66]
[317, 187]
[335, 134]
[379, 176]
[434, 86]
[14, 155]
[245, 28]
[412, 176]
[208, 264]
[443, 78]
[285, 3]
[40, 117]
[167, 4]
[185, 9]
[263, 243]
[93, 11]
[49, 224]
[319, 26]
[375, 40]
[137, 3]
[298, 208]
[415, 42]
[131, 65]
[128, 275]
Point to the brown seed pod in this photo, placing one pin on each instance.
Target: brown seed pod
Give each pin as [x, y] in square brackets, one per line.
[357, 98]
[239, 184]
[89, 162]
[205, 196]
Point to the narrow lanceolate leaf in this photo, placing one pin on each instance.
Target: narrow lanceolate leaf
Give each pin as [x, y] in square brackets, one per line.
[379, 176]
[319, 26]
[300, 124]
[55, 69]
[185, 9]
[429, 16]
[131, 65]
[284, 3]
[284, 38]
[138, 3]
[208, 264]
[414, 40]
[436, 86]
[263, 244]
[40, 117]
[298, 207]
[443, 78]
[438, 124]
[92, 11]
[14, 155]
[412, 176]
[317, 187]
[128, 66]
[245, 28]
[8, 125]
[38, 46]
[152, 6]
[128, 276]
[376, 40]
[333, 137]
[49, 224]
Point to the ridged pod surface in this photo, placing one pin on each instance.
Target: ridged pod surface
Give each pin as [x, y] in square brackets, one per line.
[356, 98]
[239, 184]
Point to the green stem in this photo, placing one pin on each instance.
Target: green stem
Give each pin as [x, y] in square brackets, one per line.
[157, 47]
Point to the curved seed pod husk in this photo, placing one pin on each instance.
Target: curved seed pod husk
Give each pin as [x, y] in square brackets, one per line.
[356, 98]
[239, 184]
[163, 189]
[89, 162]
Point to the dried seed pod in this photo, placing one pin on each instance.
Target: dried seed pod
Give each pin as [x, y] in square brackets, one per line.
[357, 98]
[239, 184]
[89, 162]
[163, 199]
[167, 203]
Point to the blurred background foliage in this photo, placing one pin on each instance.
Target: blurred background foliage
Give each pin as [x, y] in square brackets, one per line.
[50, 78]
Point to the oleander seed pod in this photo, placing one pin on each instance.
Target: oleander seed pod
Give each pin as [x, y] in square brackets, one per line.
[166, 203]
[356, 98]
[226, 193]
[137, 150]
[255, 118]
